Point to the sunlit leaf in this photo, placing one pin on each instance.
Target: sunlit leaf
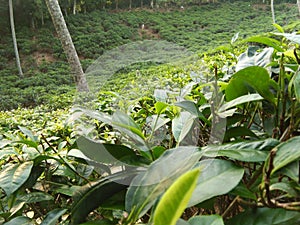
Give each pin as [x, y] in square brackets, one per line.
[148, 186]
[286, 153]
[249, 80]
[14, 176]
[175, 199]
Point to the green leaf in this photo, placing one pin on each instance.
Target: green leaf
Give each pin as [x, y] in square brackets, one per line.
[175, 200]
[7, 152]
[292, 37]
[234, 132]
[108, 153]
[296, 83]
[4, 142]
[182, 125]
[192, 108]
[240, 100]
[253, 58]
[148, 186]
[271, 42]
[246, 151]
[28, 133]
[160, 107]
[53, 216]
[35, 197]
[214, 174]
[278, 27]
[206, 220]
[266, 216]
[20, 220]
[244, 155]
[285, 187]
[126, 125]
[14, 176]
[247, 80]
[242, 191]
[286, 153]
[91, 196]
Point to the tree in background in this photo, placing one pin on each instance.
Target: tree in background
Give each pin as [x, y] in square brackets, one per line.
[67, 44]
[298, 3]
[273, 12]
[13, 33]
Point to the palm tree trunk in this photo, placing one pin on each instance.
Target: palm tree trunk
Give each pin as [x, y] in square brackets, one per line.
[74, 7]
[298, 3]
[67, 44]
[13, 34]
[273, 12]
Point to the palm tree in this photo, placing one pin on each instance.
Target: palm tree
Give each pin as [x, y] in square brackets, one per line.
[13, 34]
[67, 44]
[273, 12]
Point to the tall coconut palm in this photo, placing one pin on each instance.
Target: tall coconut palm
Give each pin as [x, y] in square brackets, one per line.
[67, 44]
[13, 34]
[273, 12]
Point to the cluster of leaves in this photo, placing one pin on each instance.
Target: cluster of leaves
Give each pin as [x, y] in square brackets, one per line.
[223, 151]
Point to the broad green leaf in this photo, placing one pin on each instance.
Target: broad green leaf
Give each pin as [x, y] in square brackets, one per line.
[157, 122]
[285, 187]
[127, 126]
[235, 37]
[53, 216]
[175, 200]
[35, 197]
[182, 222]
[253, 58]
[20, 220]
[160, 107]
[292, 37]
[14, 176]
[107, 153]
[91, 196]
[206, 220]
[234, 132]
[278, 27]
[266, 216]
[271, 42]
[182, 125]
[247, 151]
[265, 144]
[149, 185]
[214, 174]
[292, 171]
[296, 84]
[247, 80]
[7, 152]
[244, 155]
[28, 133]
[192, 108]
[100, 116]
[286, 153]
[242, 191]
[4, 142]
[240, 100]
